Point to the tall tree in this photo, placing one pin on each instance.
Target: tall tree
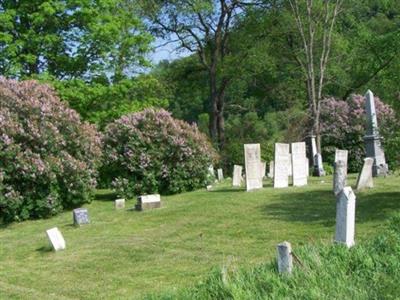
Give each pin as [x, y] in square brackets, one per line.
[202, 27]
[314, 22]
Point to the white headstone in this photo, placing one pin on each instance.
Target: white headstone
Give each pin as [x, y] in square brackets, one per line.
[307, 167]
[56, 239]
[364, 179]
[285, 260]
[290, 167]
[345, 217]
[263, 169]
[148, 202]
[120, 203]
[209, 187]
[271, 169]
[211, 170]
[339, 177]
[282, 160]
[252, 156]
[220, 174]
[341, 155]
[237, 175]
[299, 164]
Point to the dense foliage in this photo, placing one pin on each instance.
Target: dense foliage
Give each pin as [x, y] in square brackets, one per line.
[343, 127]
[368, 270]
[151, 152]
[48, 157]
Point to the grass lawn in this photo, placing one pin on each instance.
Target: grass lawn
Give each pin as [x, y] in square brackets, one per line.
[127, 254]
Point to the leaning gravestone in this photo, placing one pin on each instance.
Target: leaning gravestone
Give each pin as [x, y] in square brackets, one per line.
[119, 203]
[364, 179]
[146, 202]
[281, 171]
[220, 174]
[345, 217]
[339, 176]
[252, 157]
[372, 139]
[237, 175]
[56, 239]
[299, 164]
[81, 216]
[271, 169]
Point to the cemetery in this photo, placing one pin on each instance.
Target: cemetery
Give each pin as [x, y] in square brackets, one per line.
[259, 159]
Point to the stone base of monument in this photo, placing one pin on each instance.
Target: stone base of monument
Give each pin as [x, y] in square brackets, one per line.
[148, 202]
[374, 149]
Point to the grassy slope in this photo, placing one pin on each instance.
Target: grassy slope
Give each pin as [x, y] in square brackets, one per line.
[126, 254]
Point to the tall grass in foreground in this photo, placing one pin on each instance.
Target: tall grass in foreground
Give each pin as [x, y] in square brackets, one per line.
[370, 270]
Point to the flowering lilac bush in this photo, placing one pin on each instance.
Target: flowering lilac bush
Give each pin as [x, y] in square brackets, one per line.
[48, 157]
[149, 152]
[343, 126]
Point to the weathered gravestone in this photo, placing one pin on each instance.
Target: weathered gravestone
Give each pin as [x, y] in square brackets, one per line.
[211, 170]
[120, 203]
[281, 171]
[263, 169]
[341, 155]
[146, 202]
[285, 260]
[339, 176]
[299, 164]
[209, 187]
[81, 216]
[237, 175]
[364, 179]
[220, 174]
[318, 166]
[56, 239]
[345, 217]
[372, 139]
[252, 157]
[271, 169]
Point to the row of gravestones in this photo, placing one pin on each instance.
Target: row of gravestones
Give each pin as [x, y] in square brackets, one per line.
[81, 217]
[345, 208]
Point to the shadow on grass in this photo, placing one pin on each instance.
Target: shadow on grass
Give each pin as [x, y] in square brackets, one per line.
[105, 195]
[320, 207]
[45, 249]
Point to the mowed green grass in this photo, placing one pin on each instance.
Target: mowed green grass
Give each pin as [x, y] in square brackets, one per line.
[128, 254]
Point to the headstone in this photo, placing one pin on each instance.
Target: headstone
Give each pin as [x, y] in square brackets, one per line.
[290, 167]
[285, 260]
[209, 187]
[318, 166]
[372, 138]
[119, 203]
[341, 155]
[263, 169]
[56, 239]
[81, 216]
[299, 164]
[339, 176]
[311, 149]
[211, 170]
[307, 167]
[146, 202]
[220, 174]
[271, 169]
[237, 175]
[345, 217]
[364, 179]
[252, 157]
[282, 159]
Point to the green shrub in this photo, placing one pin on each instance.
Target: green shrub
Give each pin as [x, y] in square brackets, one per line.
[48, 157]
[151, 152]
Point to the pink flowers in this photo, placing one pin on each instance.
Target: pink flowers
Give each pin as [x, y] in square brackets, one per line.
[48, 157]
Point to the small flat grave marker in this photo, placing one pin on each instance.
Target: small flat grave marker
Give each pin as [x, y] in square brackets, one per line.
[81, 216]
[120, 203]
[146, 202]
[56, 239]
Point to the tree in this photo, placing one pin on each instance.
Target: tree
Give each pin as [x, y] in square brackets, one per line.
[314, 22]
[202, 27]
[71, 39]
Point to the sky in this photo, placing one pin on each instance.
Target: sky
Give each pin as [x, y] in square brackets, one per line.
[164, 51]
